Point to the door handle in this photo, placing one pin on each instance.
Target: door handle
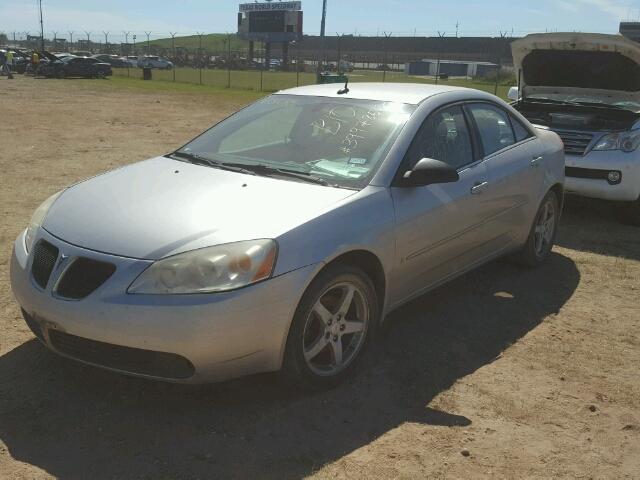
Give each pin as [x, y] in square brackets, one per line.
[536, 161]
[478, 188]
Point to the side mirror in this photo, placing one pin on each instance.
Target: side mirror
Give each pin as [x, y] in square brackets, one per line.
[428, 172]
[513, 94]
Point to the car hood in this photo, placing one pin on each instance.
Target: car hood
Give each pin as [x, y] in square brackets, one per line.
[606, 67]
[161, 207]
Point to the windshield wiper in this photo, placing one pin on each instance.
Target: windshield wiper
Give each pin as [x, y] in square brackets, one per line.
[267, 170]
[201, 160]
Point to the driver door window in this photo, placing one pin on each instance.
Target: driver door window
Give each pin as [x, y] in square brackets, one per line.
[443, 136]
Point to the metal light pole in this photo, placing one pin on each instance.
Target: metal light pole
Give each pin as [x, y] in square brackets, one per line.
[229, 61]
[322, 30]
[70, 41]
[173, 48]
[88, 40]
[148, 44]
[200, 54]
[41, 27]
[106, 41]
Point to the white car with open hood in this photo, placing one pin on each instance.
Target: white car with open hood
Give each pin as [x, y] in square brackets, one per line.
[586, 88]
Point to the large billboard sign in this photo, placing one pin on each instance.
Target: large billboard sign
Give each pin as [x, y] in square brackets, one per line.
[270, 7]
[270, 22]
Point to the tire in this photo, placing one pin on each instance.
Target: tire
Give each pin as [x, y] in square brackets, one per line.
[310, 360]
[543, 232]
[628, 212]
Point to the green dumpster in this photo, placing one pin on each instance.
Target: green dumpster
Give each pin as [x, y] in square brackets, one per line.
[326, 77]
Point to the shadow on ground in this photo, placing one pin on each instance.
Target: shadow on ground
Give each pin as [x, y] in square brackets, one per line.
[75, 421]
[591, 226]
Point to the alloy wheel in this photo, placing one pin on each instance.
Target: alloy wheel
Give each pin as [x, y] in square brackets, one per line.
[335, 329]
[545, 228]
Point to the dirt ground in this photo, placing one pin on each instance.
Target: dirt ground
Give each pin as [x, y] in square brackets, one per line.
[533, 373]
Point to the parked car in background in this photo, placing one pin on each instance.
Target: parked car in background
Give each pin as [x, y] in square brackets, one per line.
[132, 60]
[280, 238]
[153, 61]
[113, 60]
[75, 67]
[586, 88]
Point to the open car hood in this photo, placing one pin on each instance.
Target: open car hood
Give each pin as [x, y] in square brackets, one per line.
[597, 65]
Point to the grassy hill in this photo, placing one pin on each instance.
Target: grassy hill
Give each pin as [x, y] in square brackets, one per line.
[212, 42]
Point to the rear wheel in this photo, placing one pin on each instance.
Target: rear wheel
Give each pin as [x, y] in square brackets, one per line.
[543, 232]
[331, 329]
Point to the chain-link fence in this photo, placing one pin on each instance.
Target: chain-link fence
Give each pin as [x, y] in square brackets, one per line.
[225, 61]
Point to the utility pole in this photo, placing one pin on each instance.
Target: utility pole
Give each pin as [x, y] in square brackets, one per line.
[148, 44]
[322, 30]
[55, 41]
[441, 35]
[41, 27]
[70, 40]
[200, 53]
[503, 36]
[106, 41]
[228, 61]
[173, 49]
[384, 65]
[88, 39]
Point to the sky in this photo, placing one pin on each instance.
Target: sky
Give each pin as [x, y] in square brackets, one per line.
[359, 17]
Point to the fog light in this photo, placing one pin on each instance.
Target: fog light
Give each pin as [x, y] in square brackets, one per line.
[614, 177]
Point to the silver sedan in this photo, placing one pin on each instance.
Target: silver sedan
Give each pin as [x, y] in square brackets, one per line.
[280, 238]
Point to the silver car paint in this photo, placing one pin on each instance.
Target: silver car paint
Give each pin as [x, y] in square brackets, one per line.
[146, 211]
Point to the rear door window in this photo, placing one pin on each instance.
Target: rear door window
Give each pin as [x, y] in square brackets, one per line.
[519, 130]
[494, 127]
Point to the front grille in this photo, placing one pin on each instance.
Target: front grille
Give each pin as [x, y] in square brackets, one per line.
[126, 359]
[575, 143]
[83, 277]
[44, 259]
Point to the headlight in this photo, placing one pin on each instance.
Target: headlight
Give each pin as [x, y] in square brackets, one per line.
[626, 141]
[37, 218]
[212, 269]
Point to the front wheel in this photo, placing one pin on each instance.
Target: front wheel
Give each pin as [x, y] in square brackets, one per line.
[331, 328]
[543, 232]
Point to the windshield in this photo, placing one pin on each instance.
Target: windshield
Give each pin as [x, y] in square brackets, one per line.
[342, 141]
[587, 100]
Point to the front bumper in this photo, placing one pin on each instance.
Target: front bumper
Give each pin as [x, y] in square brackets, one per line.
[628, 164]
[222, 335]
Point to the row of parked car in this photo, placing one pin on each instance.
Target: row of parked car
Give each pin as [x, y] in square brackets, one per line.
[146, 61]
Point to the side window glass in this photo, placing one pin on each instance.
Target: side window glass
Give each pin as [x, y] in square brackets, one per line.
[494, 127]
[444, 136]
[519, 129]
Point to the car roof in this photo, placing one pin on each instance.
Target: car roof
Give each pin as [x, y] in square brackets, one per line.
[411, 93]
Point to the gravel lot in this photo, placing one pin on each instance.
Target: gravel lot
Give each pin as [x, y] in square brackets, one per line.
[505, 373]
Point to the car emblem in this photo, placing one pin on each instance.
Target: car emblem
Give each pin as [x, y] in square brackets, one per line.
[63, 258]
